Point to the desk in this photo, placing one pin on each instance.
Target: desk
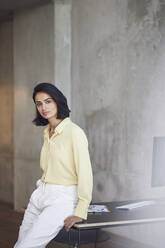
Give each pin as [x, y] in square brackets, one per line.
[116, 217]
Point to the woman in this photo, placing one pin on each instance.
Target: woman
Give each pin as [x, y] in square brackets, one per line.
[64, 191]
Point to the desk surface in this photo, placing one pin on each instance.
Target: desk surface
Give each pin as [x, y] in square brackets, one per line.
[118, 217]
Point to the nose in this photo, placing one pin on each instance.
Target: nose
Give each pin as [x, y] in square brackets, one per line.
[43, 106]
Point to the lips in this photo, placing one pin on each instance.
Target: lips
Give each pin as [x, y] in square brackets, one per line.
[45, 113]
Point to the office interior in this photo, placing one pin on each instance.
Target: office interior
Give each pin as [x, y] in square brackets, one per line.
[108, 58]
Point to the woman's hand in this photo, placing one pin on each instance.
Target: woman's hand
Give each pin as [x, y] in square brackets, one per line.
[70, 221]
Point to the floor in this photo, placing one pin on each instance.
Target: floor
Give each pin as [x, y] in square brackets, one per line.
[9, 223]
[9, 226]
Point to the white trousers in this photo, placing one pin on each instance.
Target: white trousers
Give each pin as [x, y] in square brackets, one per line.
[48, 207]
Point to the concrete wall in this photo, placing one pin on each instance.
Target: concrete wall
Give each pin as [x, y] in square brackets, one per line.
[33, 62]
[6, 110]
[118, 66]
[98, 71]
[117, 96]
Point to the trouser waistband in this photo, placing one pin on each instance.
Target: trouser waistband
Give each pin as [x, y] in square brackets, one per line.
[52, 186]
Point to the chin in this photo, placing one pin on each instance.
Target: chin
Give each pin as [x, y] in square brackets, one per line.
[49, 117]
[46, 117]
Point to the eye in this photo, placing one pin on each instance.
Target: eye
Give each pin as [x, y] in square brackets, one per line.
[48, 101]
[38, 104]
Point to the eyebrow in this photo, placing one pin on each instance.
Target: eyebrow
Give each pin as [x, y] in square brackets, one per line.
[43, 100]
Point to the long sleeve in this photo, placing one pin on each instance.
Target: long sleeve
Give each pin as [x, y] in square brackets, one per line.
[84, 172]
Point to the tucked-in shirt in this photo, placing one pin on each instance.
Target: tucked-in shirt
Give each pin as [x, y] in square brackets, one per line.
[65, 160]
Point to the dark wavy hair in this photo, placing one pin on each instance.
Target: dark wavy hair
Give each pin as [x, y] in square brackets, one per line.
[61, 101]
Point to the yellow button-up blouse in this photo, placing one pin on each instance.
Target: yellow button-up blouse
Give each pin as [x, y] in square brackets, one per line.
[65, 160]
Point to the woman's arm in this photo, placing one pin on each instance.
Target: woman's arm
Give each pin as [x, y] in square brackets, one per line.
[84, 177]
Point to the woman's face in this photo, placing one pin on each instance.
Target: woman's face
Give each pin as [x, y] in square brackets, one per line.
[46, 105]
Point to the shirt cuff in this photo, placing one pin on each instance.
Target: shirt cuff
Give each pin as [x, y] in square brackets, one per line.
[82, 210]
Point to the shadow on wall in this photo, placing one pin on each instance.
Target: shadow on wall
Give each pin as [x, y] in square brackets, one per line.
[105, 145]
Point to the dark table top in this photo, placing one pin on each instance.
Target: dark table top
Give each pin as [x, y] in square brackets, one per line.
[117, 217]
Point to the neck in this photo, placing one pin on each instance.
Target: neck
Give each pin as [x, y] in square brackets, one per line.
[54, 122]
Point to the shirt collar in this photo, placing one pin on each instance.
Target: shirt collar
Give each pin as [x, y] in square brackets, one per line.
[59, 127]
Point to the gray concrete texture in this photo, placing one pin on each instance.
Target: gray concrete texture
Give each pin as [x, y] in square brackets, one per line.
[118, 66]
[6, 110]
[33, 63]
[62, 47]
[118, 94]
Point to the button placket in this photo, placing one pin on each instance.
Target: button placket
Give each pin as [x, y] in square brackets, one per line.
[49, 140]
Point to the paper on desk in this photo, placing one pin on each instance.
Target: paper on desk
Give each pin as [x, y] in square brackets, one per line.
[98, 208]
[136, 205]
